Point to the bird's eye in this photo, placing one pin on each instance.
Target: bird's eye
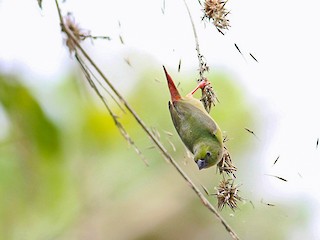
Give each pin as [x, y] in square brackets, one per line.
[208, 154]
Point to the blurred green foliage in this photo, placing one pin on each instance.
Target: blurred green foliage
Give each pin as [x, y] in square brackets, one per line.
[66, 172]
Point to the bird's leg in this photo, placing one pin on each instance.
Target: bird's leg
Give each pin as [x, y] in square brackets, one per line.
[202, 84]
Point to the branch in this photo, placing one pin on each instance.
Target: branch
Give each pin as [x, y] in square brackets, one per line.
[154, 139]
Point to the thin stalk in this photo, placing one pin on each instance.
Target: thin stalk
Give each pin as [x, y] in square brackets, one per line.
[202, 64]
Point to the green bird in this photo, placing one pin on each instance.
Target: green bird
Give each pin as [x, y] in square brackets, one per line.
[196, 128]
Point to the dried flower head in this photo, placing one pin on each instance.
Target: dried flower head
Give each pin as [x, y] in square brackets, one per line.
[225, 164]
[227, 194]
[209, 97]
[214, 9]
[78, 33]
[203, 66]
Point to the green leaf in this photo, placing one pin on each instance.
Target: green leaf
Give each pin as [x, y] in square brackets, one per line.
[28, 122]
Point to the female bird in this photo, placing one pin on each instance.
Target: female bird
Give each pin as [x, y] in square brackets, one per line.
[196, 128]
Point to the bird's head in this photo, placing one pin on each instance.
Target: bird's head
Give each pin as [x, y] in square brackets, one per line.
[207, 156]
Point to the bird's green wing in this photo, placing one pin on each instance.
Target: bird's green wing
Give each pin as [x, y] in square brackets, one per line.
[192, 124]
[186, 110]
[176, 119]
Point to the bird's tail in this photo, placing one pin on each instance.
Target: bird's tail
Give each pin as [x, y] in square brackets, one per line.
[175, 95]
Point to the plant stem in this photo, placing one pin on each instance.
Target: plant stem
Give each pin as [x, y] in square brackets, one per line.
[200, 56]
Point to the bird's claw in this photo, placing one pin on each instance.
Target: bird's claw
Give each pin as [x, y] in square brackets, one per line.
[202, 84]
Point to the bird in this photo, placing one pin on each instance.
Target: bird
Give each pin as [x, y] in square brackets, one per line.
[196, 128]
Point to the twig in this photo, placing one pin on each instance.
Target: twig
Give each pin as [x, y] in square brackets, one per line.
[84, 36]
[88, 72]
[162, 149]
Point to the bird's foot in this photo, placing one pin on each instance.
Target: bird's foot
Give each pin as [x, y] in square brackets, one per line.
[202, 84]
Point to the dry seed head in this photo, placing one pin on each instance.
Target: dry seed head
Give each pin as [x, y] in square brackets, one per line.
[225, 164]
[227, 194]
[78, 33]
[203, 66]
[209, 97]
[215, 10]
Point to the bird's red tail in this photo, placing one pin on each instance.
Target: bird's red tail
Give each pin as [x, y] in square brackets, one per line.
[175, 95]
